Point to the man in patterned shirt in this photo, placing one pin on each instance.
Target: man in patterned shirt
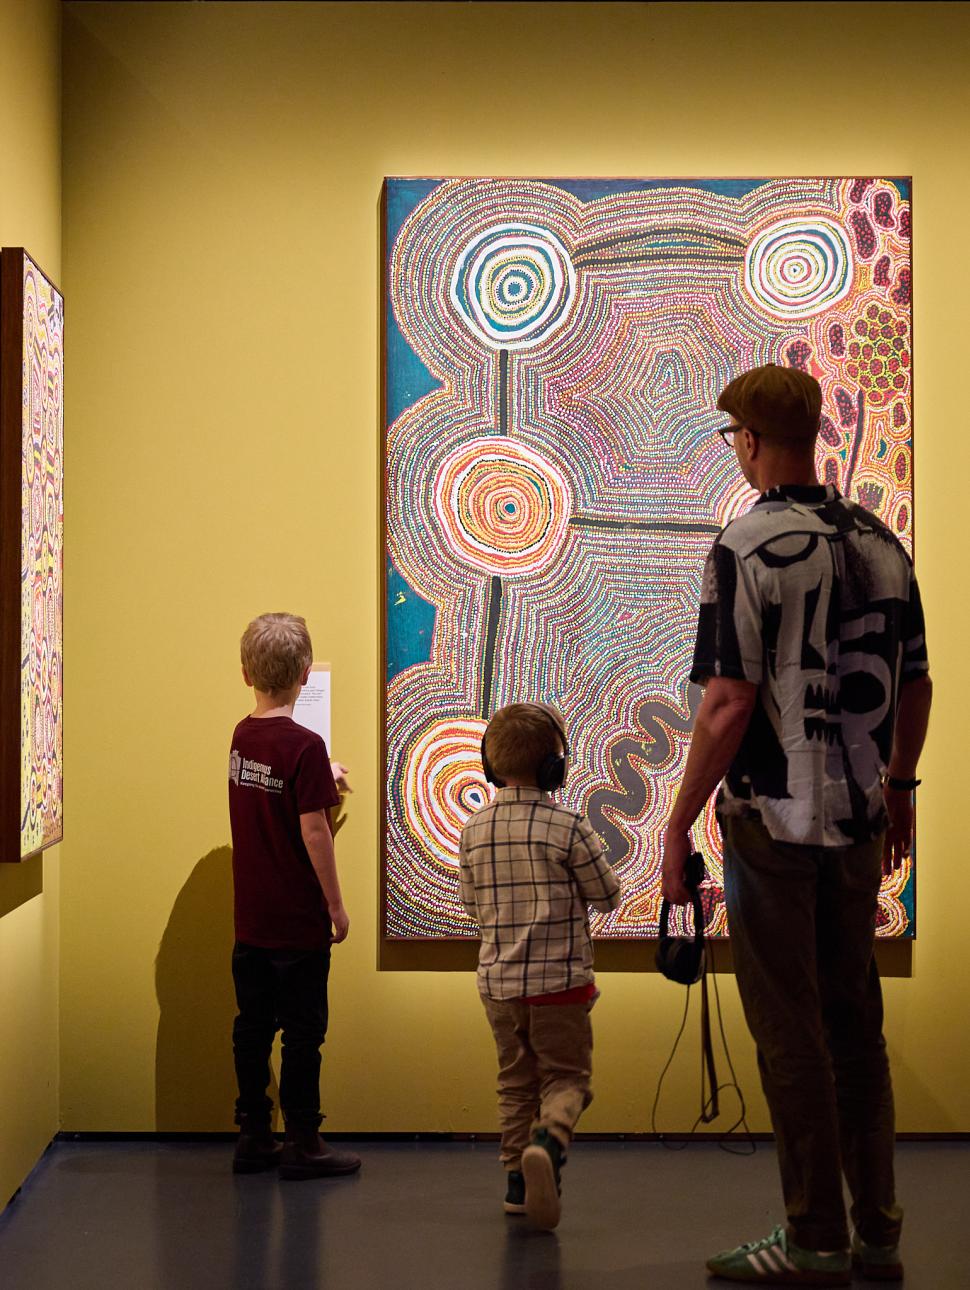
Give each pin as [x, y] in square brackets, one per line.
[811, 647]
[529, 869]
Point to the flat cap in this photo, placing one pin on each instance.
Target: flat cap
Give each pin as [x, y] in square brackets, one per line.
[776, 402]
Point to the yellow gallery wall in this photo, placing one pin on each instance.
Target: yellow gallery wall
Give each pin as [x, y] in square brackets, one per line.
[223, 166]
[30, 215]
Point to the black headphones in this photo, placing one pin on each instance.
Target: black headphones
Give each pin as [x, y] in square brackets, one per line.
[551, 771]
[679, 958]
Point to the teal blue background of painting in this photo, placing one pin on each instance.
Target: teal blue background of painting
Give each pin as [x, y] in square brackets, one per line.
[410, 624]
[407, 379]
[410, 620]
[908, 898]
[590, 190]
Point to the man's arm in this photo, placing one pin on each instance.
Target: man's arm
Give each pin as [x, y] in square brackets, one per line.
[318, 840]
[912, 721]
[722, 719]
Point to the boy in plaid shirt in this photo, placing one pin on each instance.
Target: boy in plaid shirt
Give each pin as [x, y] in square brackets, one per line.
[529, 869]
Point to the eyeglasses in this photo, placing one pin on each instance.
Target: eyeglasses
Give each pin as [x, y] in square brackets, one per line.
[727, 433]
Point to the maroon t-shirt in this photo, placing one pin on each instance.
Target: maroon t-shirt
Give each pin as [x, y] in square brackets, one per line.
[278, 771]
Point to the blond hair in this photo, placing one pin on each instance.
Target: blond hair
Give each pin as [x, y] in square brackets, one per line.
[275, 650]
[520, 737]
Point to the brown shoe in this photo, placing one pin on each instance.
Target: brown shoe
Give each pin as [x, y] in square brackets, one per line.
[306, 1155]
[256, 1149]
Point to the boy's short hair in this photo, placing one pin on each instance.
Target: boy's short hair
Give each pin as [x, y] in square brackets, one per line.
[275, 650]
[520, 737]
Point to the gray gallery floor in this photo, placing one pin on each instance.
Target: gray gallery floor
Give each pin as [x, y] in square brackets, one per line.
[149, 1216]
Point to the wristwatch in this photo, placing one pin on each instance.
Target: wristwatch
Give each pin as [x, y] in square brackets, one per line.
[903, 785]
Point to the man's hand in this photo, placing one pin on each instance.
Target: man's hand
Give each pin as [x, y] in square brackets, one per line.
[899, 835]
[677, 848]
[912, 719]
[341, 924]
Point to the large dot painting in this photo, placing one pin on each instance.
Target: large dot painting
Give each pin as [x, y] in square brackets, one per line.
[555, 349]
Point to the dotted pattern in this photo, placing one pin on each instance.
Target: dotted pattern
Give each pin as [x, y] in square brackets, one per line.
[553, 496]
[799, 268]
[42, 562]
[502, 508]
[444, 777]
[514, 284]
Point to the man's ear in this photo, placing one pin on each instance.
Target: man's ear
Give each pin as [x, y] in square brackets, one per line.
[752, 442]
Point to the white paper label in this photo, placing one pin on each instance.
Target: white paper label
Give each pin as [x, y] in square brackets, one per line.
[312, 707]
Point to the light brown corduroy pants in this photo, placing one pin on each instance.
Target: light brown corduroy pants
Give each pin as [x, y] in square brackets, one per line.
[545, 1057]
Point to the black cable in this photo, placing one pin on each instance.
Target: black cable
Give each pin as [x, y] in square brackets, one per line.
[708, 1099]
[751, 1146]
[669, 1146]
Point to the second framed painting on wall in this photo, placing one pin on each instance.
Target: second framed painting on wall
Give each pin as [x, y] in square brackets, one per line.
[31, 557]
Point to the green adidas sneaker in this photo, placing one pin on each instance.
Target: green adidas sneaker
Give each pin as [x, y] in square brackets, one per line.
[776, 1261]
[876, 1262]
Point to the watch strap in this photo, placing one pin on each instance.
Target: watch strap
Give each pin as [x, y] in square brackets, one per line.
[903, 785]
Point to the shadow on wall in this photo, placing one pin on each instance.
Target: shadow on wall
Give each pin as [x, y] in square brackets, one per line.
[195, 1084]
[20, 883]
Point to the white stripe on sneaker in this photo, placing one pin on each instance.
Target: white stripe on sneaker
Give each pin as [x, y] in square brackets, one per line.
[767, 1256]
[786, 1261]
[771, 1259]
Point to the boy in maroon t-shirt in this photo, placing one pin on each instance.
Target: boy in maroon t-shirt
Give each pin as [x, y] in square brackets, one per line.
[288, 907]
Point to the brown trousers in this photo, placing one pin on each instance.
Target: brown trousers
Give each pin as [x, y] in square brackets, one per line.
[802, 927]
[545, 1058]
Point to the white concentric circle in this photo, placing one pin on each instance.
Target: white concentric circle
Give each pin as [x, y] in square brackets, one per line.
[797, 268]
[444, 783]
[514, 285]
[501, 507]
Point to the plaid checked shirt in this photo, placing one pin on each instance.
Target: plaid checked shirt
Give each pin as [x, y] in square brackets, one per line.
[529, 869]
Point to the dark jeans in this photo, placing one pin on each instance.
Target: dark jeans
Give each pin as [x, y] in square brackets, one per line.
[802, 927]
[279, 990]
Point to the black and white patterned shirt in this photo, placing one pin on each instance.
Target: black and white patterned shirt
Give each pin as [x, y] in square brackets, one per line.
[812, 599]
[529, 869]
